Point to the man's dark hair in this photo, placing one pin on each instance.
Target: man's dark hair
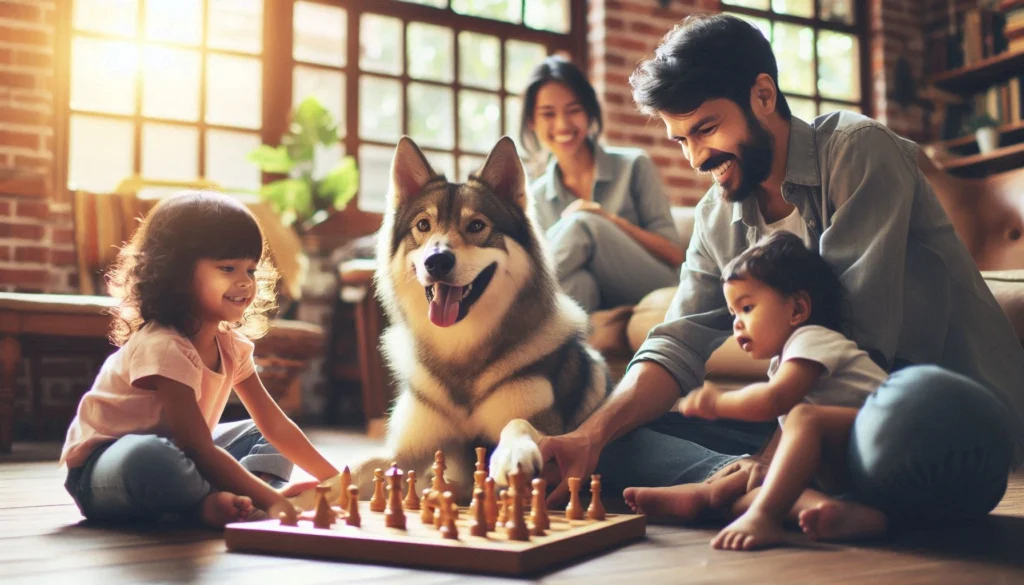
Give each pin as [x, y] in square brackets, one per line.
[560, 69]
[707, 56]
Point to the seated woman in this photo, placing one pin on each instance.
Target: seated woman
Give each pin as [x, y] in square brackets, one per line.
[606, 218]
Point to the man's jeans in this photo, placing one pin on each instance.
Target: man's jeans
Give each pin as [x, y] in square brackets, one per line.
[929, 444]
[146, 477]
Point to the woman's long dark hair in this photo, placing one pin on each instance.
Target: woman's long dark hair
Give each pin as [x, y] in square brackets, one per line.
[152, 275]
[560, 69]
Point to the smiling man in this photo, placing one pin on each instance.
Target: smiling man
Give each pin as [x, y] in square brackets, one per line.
[939, 440]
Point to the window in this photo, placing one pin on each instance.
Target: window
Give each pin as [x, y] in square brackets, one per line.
[174, 89]
[819, 47]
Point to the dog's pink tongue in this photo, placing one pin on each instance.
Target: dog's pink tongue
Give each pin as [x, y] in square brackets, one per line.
[444, 309]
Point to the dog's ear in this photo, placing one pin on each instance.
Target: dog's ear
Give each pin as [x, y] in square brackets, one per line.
[503, 172]
[410, 171]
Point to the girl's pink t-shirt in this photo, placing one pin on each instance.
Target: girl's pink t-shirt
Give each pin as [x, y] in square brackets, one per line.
[116, 406]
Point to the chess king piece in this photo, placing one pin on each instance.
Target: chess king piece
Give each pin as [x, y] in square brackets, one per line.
[448, 528]
[324, 516]
[377, 503]
[412, 501]
[539, 521]
[478, 524]
[394, 516]
[596, 509]
[353, 519]
[574, 511]
[346, 480]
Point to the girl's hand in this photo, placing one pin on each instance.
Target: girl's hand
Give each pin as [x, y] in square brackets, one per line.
[296, 488]
[702, 402]
[283, 506]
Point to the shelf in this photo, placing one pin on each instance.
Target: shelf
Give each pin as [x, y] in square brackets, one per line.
[982, 74]
[1007, 133]
[980, 165]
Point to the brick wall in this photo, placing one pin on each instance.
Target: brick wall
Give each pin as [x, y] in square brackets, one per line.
[36, 235]
[623, 32]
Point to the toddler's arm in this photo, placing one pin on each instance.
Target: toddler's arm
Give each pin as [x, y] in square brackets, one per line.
[762, 401]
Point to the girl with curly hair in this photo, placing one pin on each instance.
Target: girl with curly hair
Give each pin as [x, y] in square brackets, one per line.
[195, 284]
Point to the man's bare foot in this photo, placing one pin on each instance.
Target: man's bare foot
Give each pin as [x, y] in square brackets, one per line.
[220, 508]
[687, 502]
[750, 531]
[835, 520]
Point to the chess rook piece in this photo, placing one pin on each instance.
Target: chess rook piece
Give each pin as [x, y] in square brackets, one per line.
[394, 516]
[515, 526]
[490, 503]
[539, 521]
[324, 514]
[478, 523]
[353, 519]
[377, 503]
[596, 509]
[502, 507]
[346, 480]
[412, 501]
[574, 511]
[448, 528]
[427, 510]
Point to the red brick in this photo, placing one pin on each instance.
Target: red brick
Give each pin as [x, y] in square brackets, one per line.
[32, 162]
[33, 58]
[6, 56]
[641, 139]
[63, 235]
[26, 116]
[18, 11]
[50, 16]
[26, 36]
[26, 279]
[614, 24]
[21, 231]
[73, 280]
[14, 79]
[5, 207]
[21, 139]
[63, 258]
[33, 254]
[33, 209]
[5, 253]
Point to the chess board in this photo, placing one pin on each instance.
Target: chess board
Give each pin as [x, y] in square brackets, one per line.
[421, 545]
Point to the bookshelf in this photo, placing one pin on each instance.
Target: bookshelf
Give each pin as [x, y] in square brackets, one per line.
[1002, 159]
[981, 75]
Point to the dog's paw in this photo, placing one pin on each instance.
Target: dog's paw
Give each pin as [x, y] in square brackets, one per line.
[521, 452]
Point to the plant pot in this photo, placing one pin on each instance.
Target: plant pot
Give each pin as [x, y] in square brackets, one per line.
[988, 139]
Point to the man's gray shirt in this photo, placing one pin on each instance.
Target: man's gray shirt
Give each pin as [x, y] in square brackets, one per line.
[914, 294]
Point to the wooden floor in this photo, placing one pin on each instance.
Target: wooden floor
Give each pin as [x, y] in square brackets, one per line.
[44, 540]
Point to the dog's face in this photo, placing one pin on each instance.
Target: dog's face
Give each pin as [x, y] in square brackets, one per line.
[464, 246]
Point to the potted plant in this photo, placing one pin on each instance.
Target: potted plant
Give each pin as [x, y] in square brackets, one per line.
[984, 128]
[301, 198]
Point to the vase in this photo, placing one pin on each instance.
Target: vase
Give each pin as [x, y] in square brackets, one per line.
[988, 139]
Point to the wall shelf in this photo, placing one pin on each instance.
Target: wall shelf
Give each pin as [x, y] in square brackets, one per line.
[968, 144]
[982, 74]
[979, 165]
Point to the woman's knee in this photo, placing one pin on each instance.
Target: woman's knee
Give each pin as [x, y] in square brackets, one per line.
[152, 467]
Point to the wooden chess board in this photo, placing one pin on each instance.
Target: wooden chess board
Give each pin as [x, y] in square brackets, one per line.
[421, 545]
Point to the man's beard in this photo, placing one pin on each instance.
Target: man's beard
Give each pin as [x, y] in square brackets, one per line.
[754, 161]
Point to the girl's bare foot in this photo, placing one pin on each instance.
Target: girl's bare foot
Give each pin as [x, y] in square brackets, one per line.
[836, 520]
[220, 508]
[686, 502]
[750, 531]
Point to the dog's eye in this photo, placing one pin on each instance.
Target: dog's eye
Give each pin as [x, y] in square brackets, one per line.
[476, 226]
[423, 225]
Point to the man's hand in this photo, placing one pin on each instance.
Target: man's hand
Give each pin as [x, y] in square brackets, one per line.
[584, 205]
[576, 454]
[702, 402]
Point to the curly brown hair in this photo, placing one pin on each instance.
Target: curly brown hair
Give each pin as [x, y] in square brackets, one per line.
[152, 275]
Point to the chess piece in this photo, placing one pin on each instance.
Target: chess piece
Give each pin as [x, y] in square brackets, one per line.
[412, 501]
[596, 509]
[287, 520]
[353, 519]
[448, 528]
[394, 516]
[490, 503]
[427, 511]
[502, 507]
[377, 503]
[539, 521]
[515, 526]
[480, 475]
[346, 480]
[478, 524]
[324, 514]
[439, 485]
[574, 511]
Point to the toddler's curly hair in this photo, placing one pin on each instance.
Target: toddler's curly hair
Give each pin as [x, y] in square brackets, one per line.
[152, 275]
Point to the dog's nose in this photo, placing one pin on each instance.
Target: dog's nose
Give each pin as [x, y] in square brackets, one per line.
[439, 264]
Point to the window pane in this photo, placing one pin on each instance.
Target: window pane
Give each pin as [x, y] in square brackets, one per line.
[116, 17]
[103, 75]
[176, 21]
[757, 4]
[170, 152]
[828, 107]
[326, 157]
[838, 65]
[434, 3]
[513, 114]
[837, 11]
[236, 25]
[170, 83]
[374, 176]
[478, 121]
[429, 51]
[226, 164]
[550, 15]
[380, 44]
[478, 60]
[804, 8]
[469, 164]
[319, 34]
[794, 50]
[520, 59]
[99, 169]
[431, 115]
[234, 91]
[442, 162]
[507, 10]
[380, 109]
[802, 108]
[327, 86]
[763, 24]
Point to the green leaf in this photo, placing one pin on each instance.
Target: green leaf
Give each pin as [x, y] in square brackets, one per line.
[271, 159]
[313, 123]
[289, 195]
[341, 183]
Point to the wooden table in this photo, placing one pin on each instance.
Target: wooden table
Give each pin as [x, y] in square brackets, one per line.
[24, 316]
